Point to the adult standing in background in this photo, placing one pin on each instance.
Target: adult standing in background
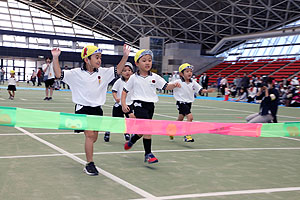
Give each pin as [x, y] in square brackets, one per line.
[245, 81]
[219, 84]
[39, 76]
[33, 77]
[238, 83]
[2, 72]
[204, 82]
[48, 78]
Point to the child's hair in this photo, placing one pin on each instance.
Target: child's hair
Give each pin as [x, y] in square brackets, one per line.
[48, 57]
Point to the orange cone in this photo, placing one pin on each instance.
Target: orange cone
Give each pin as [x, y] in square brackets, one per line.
[226, 94]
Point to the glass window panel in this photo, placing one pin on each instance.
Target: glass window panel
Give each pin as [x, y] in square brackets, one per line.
[284, 50]
[24, 13]
[295, 49]
[36, 14]
[32, 40]
[8, 38]
[261, 51]
[33, 46]
[45, 15]
[13, 4]
[4, 17]
[19, 63]
[43, 41]
[16, 18]
[59, 29]
[8, 44]
[37, 21]
[23, 6]
[57, 23]
[22, 45]
[20, 39]
[39, 27]
[4, 10]
[17, 25]
[6, 23]
[68, 30]
[246, 52]
[30, 63]
[49, 29]
[47, 22]
[282, 40]
[4, 4]
[26, 19]
[267, 52]
[14, 11]
[107, 52]
[276, 51]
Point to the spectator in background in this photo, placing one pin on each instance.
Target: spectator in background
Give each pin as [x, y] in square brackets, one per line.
[33, 77]
[245, 82]
[269, 104]
[294, 81]
[48, 78]
[224, 84]
[252, 91]
[63, 83]
[2, 72]
[285, 82]
[238, 82]
[39, 76]
[233, 91]
[204, 82]
[243, 96]
[219, 84]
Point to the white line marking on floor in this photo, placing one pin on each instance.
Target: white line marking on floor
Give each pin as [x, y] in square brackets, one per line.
[135, 189]
[228, 193]
[291, 138]
[23, 99]
[156, 151]
[2, 99]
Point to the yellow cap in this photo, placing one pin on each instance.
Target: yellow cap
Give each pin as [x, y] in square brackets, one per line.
[185, 66]
[12, 71]
[90, 50]
[141, 53]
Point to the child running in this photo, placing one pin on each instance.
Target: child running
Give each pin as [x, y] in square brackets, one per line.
[89, 86]
[143, 85]
[185, 95]
[12, 82]
[116, 92]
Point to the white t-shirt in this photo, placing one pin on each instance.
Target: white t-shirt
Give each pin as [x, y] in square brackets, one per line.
[118, 87]
[49, 72]
[12, 81]
[88, 89]
[144, 88]
[186, 92]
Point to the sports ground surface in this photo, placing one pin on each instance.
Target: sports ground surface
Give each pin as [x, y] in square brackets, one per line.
[46, 164]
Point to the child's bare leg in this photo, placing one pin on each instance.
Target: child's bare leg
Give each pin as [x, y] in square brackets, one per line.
[90, 139]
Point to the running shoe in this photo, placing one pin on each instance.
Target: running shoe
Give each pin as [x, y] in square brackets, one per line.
[106, 136]
[127, 136]
[128, 145]
[150, 158]
[188, 138]
[90, 169]
[171, 138]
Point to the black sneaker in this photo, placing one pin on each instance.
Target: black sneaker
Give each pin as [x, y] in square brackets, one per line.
[127, 136]
[49, 98]
[106, 136]
[46, 98]
[90, 169]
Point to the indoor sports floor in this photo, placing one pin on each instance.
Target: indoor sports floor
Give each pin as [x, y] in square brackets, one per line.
[43, 164]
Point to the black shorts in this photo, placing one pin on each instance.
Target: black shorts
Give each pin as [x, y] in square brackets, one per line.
[12, 88]
[118, 112]
[87, 110]
[143, 110]
[184, 108]
[49, 82]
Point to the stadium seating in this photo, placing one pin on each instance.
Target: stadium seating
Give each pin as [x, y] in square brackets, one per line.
[278, 69]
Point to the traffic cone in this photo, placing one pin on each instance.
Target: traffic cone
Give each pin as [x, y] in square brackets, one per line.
[226, 94]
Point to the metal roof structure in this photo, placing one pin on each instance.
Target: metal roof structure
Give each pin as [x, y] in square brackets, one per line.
[190, 21]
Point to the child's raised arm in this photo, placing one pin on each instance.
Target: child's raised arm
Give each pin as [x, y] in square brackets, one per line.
[126, 51]
[171, 86]
[55, 54]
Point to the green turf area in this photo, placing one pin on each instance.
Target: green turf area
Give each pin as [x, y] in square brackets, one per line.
[213, 163]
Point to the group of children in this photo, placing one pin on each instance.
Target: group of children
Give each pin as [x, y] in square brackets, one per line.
[134, 93]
